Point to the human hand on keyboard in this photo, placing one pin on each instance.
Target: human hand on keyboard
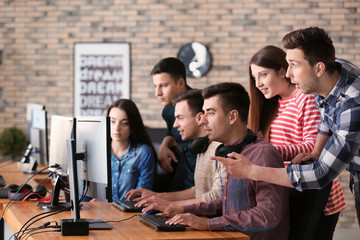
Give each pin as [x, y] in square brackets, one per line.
[139, 194]
[151, 200]
[166, 210]
[191, 220]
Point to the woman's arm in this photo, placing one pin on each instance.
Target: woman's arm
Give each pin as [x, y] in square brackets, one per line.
[301, 131]
[146, 168]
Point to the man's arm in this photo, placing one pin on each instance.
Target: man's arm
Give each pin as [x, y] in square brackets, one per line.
[341, 149]
[187, 201]
[165, 153]
[240, 167]
[320, 143]
[264, 205]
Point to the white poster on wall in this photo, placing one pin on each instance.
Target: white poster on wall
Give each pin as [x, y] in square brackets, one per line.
[101, 76]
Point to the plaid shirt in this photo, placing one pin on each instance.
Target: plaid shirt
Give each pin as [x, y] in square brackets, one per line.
[340, 119]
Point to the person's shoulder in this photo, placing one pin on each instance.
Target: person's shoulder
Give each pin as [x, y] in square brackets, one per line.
[210, 151]
[348, 66]
[168, 113]
[259, 143]
[350, 74]
[143, 148]
[264, 153]
[168, 108]
[302, 98]
[213, 145]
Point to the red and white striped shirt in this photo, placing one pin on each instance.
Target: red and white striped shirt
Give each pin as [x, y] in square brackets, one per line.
[294, 131]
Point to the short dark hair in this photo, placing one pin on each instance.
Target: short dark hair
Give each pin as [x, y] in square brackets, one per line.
[194, 100]
[233, 96]
[173, 66]
[316, 45]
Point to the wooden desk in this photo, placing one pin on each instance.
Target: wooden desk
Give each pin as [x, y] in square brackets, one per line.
[20, 212]
[12, 173]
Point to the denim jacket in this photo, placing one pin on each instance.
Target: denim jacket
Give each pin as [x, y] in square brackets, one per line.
[134, 169]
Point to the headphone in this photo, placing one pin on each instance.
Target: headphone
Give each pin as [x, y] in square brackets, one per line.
[16, 192]
[199, 145]
[223, 151]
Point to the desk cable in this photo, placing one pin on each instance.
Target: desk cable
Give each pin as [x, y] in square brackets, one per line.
[32, 231]
[115, 221]
[25, 227]
[84, 190]
[46, 231]
[12, 201]
[26, 232]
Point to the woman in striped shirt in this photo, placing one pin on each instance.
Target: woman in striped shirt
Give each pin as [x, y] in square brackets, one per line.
[289, 120]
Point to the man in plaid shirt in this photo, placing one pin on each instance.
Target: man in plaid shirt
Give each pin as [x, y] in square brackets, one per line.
[336, 82]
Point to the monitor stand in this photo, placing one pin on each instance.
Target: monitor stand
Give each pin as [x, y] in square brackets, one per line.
[33, 166]
[73, 157]
[55, 204]
[98, 224]
[26, 157]
[94, 224]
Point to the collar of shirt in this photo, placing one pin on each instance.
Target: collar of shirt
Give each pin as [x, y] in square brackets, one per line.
[337, 91]
[130, 152]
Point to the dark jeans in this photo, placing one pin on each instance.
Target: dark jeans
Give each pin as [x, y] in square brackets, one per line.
[355, 188]
[325, 229]
[357, 206]
[306, 210]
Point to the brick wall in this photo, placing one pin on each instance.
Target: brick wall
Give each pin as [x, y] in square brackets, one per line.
[37, 39]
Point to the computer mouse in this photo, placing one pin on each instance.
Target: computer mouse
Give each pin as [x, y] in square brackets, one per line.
[152, 212]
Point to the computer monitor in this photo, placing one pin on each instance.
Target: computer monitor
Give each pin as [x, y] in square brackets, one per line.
[93, 137]
[29, 108]
[39, 136]
[61, 129]
[89, 159]
[38, 152]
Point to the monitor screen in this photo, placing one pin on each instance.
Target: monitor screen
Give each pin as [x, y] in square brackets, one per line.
[39, 136]
[93, 137]
[29, 108]
[61, 129]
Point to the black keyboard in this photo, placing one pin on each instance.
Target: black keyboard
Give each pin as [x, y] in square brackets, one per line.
[127, 206]
[158, 222]
[3, 193]
[2, 181]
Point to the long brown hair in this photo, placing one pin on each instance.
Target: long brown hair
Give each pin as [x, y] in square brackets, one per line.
[138, 133]
[263, 111]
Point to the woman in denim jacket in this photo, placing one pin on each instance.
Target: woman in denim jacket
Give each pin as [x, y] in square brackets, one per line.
[133, 157]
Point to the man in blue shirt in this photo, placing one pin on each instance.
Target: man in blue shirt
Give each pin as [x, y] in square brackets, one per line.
[336, 82]
[169, 78]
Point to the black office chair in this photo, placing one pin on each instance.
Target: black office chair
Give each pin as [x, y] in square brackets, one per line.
[164, 181]
[173, 181]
